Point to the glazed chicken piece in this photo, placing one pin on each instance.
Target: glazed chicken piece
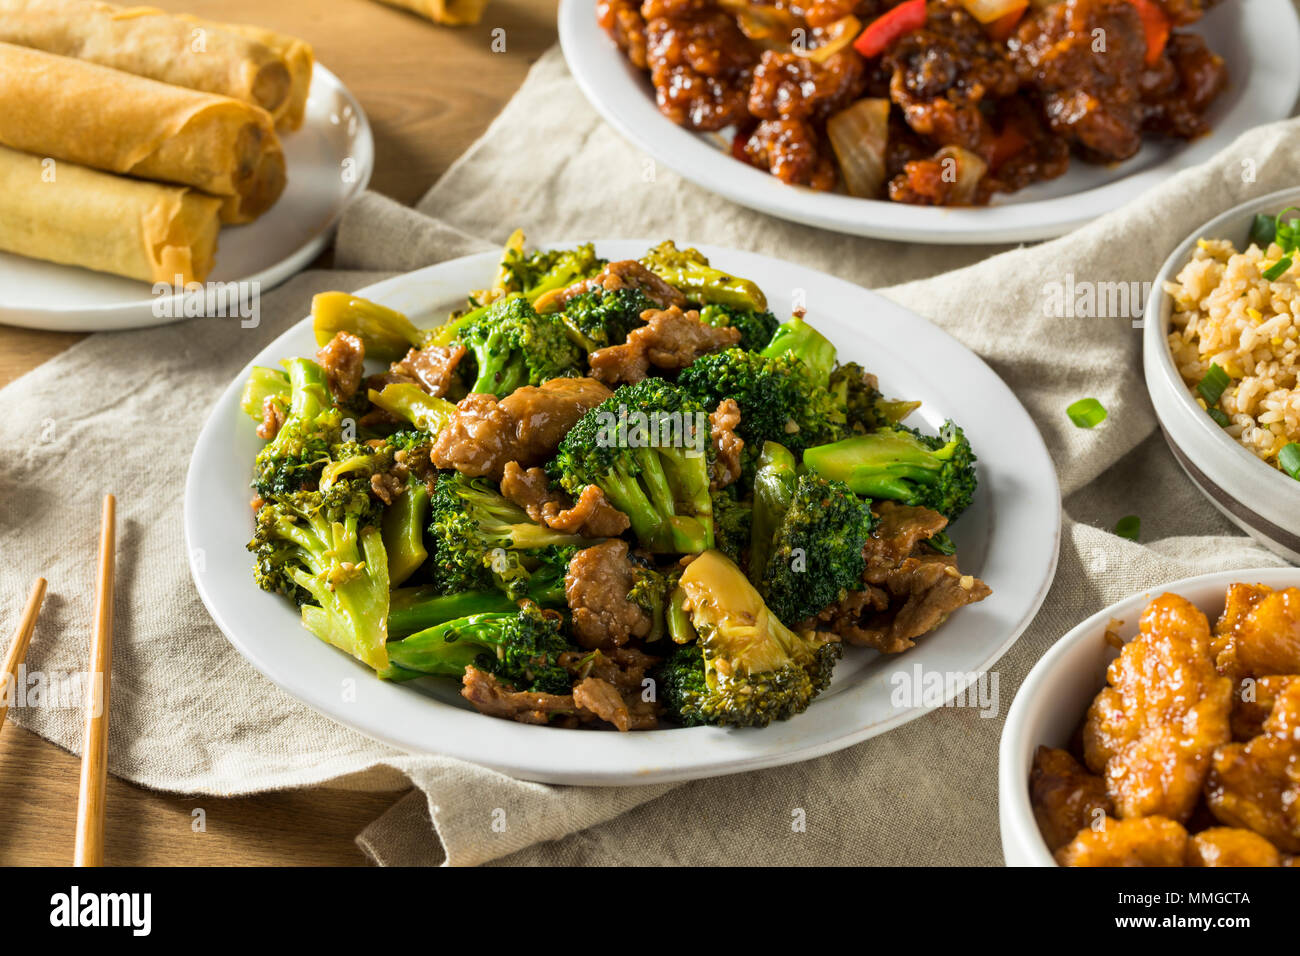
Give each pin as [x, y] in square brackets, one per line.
[700, 63]
[487, 433]
[622, 20]
[1228, 846]
[1180, 86]
[1151, 733]
[1253, 701]
[670, 340]
[1089, 80]
[1146, 841]
[789, 86]
[1256, 785]
[944, 73]
[794, 152]
[624, 274]
[1258, 633]
[1065, 796]
[908, 589]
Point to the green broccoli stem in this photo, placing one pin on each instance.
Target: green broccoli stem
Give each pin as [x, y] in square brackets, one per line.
[352, 593]
[445, 649]
[415, 405]
[774, 483]
[414, 609]
[678, 621]
[806, 344]
[387, 334]
[883, 464]
[263, 383]
[403, 529]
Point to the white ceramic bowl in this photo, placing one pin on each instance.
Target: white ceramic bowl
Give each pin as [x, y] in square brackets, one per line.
[1261, 500]
[1052, 701]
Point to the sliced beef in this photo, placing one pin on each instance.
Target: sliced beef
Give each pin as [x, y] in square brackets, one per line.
[602, 699]
[624, 274]
[487, 433]
[591, 516]
[272, 418]
[596, 587]
[342, 359]
[625, 669]
[726, 443]
[496, 699]
[909, 589]
[433, 369]
[670, 340]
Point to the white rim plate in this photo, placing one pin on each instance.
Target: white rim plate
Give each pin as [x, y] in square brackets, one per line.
[1257, 497]
[335, 131]
[1009, 537]
[1259, 40]
[1057, 692]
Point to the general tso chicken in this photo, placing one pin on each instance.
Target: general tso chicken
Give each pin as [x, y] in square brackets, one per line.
[931, 102]
[605, 494]
[1191, 755]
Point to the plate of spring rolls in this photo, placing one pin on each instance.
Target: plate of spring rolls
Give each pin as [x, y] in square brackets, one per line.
[146, 157]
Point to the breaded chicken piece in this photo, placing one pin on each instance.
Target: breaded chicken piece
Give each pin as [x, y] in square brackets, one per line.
[1152, 731]
[1256, 785]
[1065, 796]
[1259, 632]
[1229, 846]
[1253, 702]
[1148, 841]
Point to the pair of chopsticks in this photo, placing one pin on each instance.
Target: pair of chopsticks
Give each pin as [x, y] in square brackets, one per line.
[94, 755]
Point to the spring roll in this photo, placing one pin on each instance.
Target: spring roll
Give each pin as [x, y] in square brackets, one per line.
[62, 212]
[69, 109]
[298, 57]
[149, 42]
[452, 13]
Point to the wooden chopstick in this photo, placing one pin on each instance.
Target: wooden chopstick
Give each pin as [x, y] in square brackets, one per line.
[18, 647]
[94, 756]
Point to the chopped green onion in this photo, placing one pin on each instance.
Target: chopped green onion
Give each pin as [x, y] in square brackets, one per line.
[1212, 386]
[1087, 413]
[1220, 419]
[1277, 269]
[1263, 230]
[1287, 233]
[1130, 526]
[1289, 459]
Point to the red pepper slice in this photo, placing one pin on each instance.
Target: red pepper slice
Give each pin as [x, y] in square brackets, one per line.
[1006, 144]
[1002, 28]
[1155, 25]
[888, 27]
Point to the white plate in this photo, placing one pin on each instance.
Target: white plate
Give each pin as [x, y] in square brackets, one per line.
[1261, 500]
[1259, 40]
[45, 295]
[1056, 695]
[1009, 537]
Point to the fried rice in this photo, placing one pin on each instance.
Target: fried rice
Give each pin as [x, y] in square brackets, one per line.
[1226, 313]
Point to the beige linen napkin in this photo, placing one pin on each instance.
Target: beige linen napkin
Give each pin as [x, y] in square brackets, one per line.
[120, 412]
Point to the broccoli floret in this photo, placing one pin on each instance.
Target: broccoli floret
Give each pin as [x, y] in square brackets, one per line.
[323, 549]
[513, 346]
[778, 399]
[756, 327]
[901, 464]
[647, 448]
[862, 407]
[731, 521]
[293, 460]
[688, 271]
[816, 556]
[482, 540]
[774, 482]
[746, 669]
[805, 343]
[600, 318]
[521, 648]
[386, 334]
[546, 270]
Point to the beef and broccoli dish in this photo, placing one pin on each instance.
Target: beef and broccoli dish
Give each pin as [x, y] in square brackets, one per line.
[930, 102]
[603, 493]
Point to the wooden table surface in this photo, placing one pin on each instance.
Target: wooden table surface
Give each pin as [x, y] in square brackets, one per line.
[429, 92]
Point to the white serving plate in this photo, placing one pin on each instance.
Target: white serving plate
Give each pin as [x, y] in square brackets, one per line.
[1261, 500]
[1009, 537]
[335, 132]
[1259, 40]
[1057, 693]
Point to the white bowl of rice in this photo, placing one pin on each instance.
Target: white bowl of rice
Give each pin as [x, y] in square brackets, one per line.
[1223, 323]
